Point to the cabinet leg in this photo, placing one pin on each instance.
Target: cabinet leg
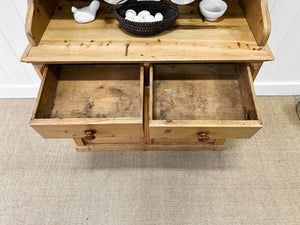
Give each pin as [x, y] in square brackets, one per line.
[220, 141]
[79, 141]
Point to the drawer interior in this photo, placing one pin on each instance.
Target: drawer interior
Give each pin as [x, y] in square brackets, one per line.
[201, 92]
[91, 91]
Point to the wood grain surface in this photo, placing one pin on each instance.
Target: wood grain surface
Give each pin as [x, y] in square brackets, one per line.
[189, 39]
[105, 98]
[217, 99]
[196, 92]
[98, 91]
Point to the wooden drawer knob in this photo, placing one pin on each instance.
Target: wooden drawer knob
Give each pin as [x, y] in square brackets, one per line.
[203, 136]
[89, 135]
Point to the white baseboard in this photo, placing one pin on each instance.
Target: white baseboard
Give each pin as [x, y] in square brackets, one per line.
[260, 89]
[277, 88]
[18, 91]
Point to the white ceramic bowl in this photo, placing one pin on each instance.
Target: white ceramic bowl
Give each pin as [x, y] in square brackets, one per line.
[182, 2]
[115, 2]
[212, 9]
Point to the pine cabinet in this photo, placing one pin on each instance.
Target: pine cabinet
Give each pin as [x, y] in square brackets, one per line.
[188, 88]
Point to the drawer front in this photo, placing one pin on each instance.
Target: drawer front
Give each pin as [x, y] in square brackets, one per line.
[202, 102]
[193, 132]
[107, 99]
[66, 128]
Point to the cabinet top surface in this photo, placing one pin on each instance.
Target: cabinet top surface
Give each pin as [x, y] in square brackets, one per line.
[190, 39]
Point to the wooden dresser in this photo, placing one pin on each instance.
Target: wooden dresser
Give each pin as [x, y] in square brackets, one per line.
[189, 88]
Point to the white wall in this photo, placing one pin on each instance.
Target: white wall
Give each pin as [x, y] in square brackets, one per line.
[17, 80]
[281, 77]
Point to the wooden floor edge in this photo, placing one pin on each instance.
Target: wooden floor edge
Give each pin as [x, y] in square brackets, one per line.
[150, 147]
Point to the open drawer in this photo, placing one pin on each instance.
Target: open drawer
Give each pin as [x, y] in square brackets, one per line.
[202, 102]
[90, 101]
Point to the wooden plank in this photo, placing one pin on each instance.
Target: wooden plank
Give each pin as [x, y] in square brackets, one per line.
[38, 16]
[216, 129]
[220, 141]
[255, 67]
[98, 91]
[187, 140]
[258, 17]
[152, 147]
[151, 92]
[141, 96]
[116, 140]
[189, 40]
[78, 141]
[146, 117]
[180, 141]
[46, 93]
[248, 92]
[39, 68]
[69, 128]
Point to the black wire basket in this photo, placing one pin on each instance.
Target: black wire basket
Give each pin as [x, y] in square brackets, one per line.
[169, 12]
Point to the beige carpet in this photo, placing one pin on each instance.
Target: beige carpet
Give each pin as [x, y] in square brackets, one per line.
[254, 181]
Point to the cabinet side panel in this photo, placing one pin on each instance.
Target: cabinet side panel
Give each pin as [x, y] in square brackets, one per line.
[258, 17]
[38, 15]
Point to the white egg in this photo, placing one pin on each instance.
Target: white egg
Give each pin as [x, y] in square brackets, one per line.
[159, 17]
[149, 18]
[129, 18]
[144, 13]
[130, 12]
[138, 19]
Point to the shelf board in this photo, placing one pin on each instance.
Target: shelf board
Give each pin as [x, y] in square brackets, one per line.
[190, 39]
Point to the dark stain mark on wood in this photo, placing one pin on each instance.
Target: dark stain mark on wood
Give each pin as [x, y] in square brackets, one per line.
[142, 55]
[101, 87]
[109, 21]
[239, 44]
[81, 44]
[108, 43]
[98, 115]
[91, 105]
[162, 115]
[158, 40]
[115, 91]
[67, 43]
[92, 41]
[126, 50]
[167, 131]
